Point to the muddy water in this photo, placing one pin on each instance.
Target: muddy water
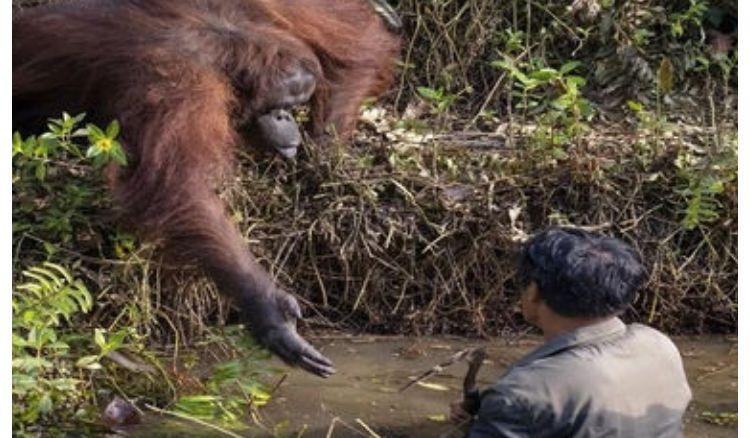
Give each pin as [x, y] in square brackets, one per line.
[363, 398]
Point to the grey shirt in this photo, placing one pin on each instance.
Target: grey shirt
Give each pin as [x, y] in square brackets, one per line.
[606, 379]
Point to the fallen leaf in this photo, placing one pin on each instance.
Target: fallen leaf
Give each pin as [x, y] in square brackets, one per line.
[433, 386]
[438, 418]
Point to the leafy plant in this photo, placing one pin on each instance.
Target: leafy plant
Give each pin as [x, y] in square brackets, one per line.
[553, 93]
[235, 386]
[43, 378]
[706, 178]
[58, 350]
[553, 98]
[645, 117]
[55, 189]
[702, 205]
[104, 146]
[440, 100]
[692, 15]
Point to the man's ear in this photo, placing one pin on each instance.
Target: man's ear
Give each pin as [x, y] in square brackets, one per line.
[534, 295]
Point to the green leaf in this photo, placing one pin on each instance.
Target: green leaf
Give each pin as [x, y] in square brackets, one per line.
[77, 119]
[575, 81]
[113, 129]
[119, 154]
[80, 132]
[703, 61]
[34, 288]
[58, 346]
[18, 341]
[45, 403]
[201, 406]
[41, 279]
[93, 151]
[23, 383]
[17, 144]
[64, 272]
[41, 171]
[83, 296]
[29, 315]
[88, 362]
[116, 340]
[505, 64]
[54, 128]
[716, 187]
[429, 93]
[45, 336]
[49, 248]
[528, 83]
[569, 66]
[634, 106]
[544, 74]
[95, 133]
[64, 384]
[677, 29]
[30, 363]
[563, 102]
[99, 338]
[37, 272]
[29, 145]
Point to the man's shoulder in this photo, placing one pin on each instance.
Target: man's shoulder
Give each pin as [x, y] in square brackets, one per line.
[646, 330]
[644, 335]
[577, 366]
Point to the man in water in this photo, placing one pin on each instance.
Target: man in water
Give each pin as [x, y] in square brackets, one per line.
[594, 376]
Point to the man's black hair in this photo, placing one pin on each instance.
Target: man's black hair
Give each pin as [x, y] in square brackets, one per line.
[582, 274]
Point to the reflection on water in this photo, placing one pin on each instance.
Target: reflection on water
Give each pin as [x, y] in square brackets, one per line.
[363, 395]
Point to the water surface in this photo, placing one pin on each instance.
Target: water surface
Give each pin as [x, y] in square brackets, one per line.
[362, 399]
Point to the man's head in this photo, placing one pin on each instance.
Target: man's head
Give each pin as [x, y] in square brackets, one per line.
[578, 274]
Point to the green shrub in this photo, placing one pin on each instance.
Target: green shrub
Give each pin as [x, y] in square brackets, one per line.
[55, 187]
[70, 260]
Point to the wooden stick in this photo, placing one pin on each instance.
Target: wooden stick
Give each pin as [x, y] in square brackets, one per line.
[476, 358]
[438, 368]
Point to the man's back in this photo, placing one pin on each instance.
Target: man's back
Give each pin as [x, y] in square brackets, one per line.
[607, 379]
